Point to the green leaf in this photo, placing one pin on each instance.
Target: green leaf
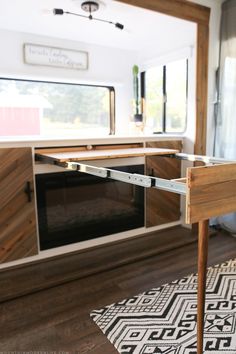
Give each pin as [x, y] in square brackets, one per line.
[135, 70]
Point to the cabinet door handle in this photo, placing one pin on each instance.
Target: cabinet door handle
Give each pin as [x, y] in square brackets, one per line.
[151, 174]
[28, 191]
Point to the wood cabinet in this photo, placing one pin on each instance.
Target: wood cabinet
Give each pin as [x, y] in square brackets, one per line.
[161, 206]
[18, 237]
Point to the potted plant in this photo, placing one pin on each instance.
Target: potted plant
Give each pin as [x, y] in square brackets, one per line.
[138, 117]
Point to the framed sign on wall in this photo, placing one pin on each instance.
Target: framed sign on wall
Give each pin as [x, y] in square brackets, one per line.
[36, 54]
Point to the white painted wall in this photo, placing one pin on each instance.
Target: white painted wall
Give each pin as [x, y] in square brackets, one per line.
[107, 66]
[110, 66]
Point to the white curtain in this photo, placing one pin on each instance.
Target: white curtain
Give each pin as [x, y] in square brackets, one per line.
[225, 139]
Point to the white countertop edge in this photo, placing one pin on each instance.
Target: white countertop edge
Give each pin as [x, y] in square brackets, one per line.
[36, 142]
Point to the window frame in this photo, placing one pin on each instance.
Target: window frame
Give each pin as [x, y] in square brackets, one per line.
[165, 97]
[112, 99]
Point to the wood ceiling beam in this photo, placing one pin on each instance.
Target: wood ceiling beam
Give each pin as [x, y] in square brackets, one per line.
[183, 9]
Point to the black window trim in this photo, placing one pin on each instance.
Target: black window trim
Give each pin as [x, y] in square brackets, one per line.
[112, 98]
[164, 93]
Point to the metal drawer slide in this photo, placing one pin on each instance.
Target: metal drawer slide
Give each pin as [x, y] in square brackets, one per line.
[132, 178]
[173, 186]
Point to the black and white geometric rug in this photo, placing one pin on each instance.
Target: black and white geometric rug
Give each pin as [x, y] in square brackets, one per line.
[163, 320]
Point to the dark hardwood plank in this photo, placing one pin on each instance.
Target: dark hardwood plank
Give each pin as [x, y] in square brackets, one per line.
[57, 319]
[24, 279]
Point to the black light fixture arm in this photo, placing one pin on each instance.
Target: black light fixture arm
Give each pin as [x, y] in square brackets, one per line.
[90, 17]
[75, 14]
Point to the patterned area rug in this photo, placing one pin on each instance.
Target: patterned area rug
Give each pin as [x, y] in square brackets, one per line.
[163, 320]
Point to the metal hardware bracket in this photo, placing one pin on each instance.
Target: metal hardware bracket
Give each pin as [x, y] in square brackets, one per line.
[132, 178]
[170, 186]
[205, 159]
[141, 180]
[92, 170]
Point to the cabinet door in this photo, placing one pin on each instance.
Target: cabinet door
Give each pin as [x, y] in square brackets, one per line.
[18, 238]
[161, 206]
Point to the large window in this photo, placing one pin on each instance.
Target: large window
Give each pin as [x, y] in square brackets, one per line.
[165, 91]
[50, 109]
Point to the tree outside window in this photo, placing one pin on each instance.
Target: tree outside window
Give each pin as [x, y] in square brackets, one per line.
[166, 97]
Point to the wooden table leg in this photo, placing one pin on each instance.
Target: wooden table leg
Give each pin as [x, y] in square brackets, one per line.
[202, 269]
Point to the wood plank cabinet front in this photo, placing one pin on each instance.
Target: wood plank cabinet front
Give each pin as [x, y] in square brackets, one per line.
[162, 207]
[18, 237]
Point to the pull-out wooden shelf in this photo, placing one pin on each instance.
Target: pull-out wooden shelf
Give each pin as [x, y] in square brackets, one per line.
[210, 191]
[97, 154]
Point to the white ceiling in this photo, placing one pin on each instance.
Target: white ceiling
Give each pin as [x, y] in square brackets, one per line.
[143, 30]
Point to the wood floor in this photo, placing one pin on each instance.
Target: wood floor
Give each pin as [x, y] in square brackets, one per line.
[57, 319]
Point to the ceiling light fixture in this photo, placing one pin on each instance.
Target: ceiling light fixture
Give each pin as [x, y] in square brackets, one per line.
[90, 7]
